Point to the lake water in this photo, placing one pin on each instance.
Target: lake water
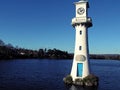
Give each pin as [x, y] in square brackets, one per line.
[38, 74]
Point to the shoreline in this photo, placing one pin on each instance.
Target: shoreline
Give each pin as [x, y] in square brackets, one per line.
[54, 59]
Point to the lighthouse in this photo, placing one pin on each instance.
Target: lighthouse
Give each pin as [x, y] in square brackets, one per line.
[81, 22]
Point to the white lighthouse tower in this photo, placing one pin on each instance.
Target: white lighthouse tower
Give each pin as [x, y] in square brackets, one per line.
[81, 23]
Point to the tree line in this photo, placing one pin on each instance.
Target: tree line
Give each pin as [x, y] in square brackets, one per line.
[105, 56]
[8, 51]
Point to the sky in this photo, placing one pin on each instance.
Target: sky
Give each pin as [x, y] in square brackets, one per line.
[35, 24]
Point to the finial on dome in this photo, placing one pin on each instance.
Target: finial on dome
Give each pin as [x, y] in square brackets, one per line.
[83, 0]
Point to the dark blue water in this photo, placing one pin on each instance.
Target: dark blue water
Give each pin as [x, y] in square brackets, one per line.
[48, 74]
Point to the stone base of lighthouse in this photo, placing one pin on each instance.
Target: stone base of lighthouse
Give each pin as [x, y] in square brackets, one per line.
[89, 81]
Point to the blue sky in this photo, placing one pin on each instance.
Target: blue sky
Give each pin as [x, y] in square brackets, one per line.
[35, 24]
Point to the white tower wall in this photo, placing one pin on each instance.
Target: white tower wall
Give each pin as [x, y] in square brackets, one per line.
[81, 49]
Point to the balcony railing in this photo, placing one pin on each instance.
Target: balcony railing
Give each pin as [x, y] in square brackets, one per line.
[83, 20]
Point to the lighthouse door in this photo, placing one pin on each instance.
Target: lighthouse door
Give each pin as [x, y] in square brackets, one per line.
[79, 69]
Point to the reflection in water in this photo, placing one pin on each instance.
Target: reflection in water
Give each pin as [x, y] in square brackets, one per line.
[82, 88]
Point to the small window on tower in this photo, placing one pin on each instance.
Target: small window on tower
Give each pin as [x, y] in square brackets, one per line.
[80, 48]
[80, 32]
